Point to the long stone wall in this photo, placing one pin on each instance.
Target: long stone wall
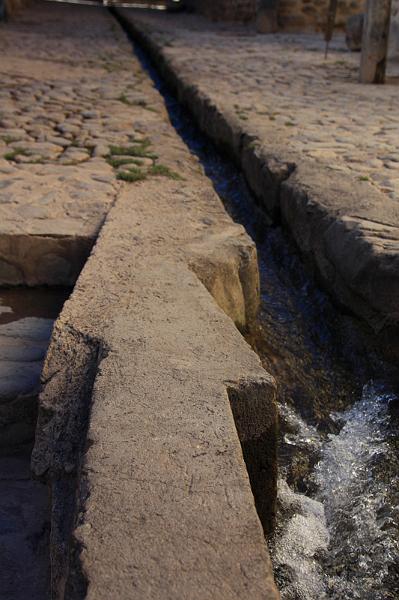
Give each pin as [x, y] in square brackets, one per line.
[225, 10]
[9, 7]
[312, 14]
[332, 208]
[292, 14]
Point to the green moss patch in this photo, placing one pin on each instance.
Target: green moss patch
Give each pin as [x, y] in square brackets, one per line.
[132, 175]
[164, 171]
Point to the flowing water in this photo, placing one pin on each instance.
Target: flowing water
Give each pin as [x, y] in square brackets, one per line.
[26, 321]
[337, 531]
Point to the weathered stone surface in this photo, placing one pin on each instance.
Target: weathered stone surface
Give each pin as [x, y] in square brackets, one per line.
[226, 264]
[24, 531]
[169, 491]
[53, 259]
[374, 57]
[225, 10]
[19, 349]
[300, 15]
[394, 31]
[351, 239]
[53, 194]
[28, 328]
[19, 378]
[267, 16]
[306, 158]
[145, 369]
[296, 15]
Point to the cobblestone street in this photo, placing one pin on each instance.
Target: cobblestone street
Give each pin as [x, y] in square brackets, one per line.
[77, 117]
[284, 91]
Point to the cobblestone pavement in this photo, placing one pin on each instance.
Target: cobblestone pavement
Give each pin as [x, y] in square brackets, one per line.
[51, 102]
[286, 92]
[78, 118]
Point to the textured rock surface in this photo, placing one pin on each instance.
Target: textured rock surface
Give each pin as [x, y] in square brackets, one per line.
[24, 531]
[23, 344]
[394, 31]
[225, 10]
[55, 184]
[289, 120]
[166, 508]
[145, 369]
[291, 14]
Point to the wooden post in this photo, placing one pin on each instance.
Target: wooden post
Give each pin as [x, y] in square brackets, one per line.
[266, 16]
[375, 41]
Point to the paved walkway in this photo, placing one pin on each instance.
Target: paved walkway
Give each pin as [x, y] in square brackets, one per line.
[70, 97]
[281, 87]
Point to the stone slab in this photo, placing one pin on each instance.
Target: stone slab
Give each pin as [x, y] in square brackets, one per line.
[152, 401]
[60, 101]
[165, 506]
[296, 126]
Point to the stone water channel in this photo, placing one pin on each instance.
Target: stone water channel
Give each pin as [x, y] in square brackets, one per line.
[337, 532]
[26, 321]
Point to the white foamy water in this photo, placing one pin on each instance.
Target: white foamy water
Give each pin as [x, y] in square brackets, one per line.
[358, 480]
[344, 544]
[303, 538]
[301, 434]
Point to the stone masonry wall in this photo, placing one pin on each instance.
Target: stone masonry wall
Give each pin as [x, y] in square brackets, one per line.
[312, 14]
[9, 7]
[225, 10]
[293, 14]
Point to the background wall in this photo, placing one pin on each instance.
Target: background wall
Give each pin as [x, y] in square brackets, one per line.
[301, 15]
[293, 14]
[8, 7]
[225, 10]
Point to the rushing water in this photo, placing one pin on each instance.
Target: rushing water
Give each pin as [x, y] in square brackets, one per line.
[344, 543]
[338, 495]
[358, 483]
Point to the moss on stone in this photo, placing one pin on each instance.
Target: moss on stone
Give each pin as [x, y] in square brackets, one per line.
[165, 171]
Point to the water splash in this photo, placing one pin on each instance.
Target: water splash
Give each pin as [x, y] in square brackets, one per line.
[358, 480]
[297, 432]
[298, 545]
[344, 543]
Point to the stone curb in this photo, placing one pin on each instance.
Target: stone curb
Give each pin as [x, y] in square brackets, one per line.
[142, 379]
[348, 235]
